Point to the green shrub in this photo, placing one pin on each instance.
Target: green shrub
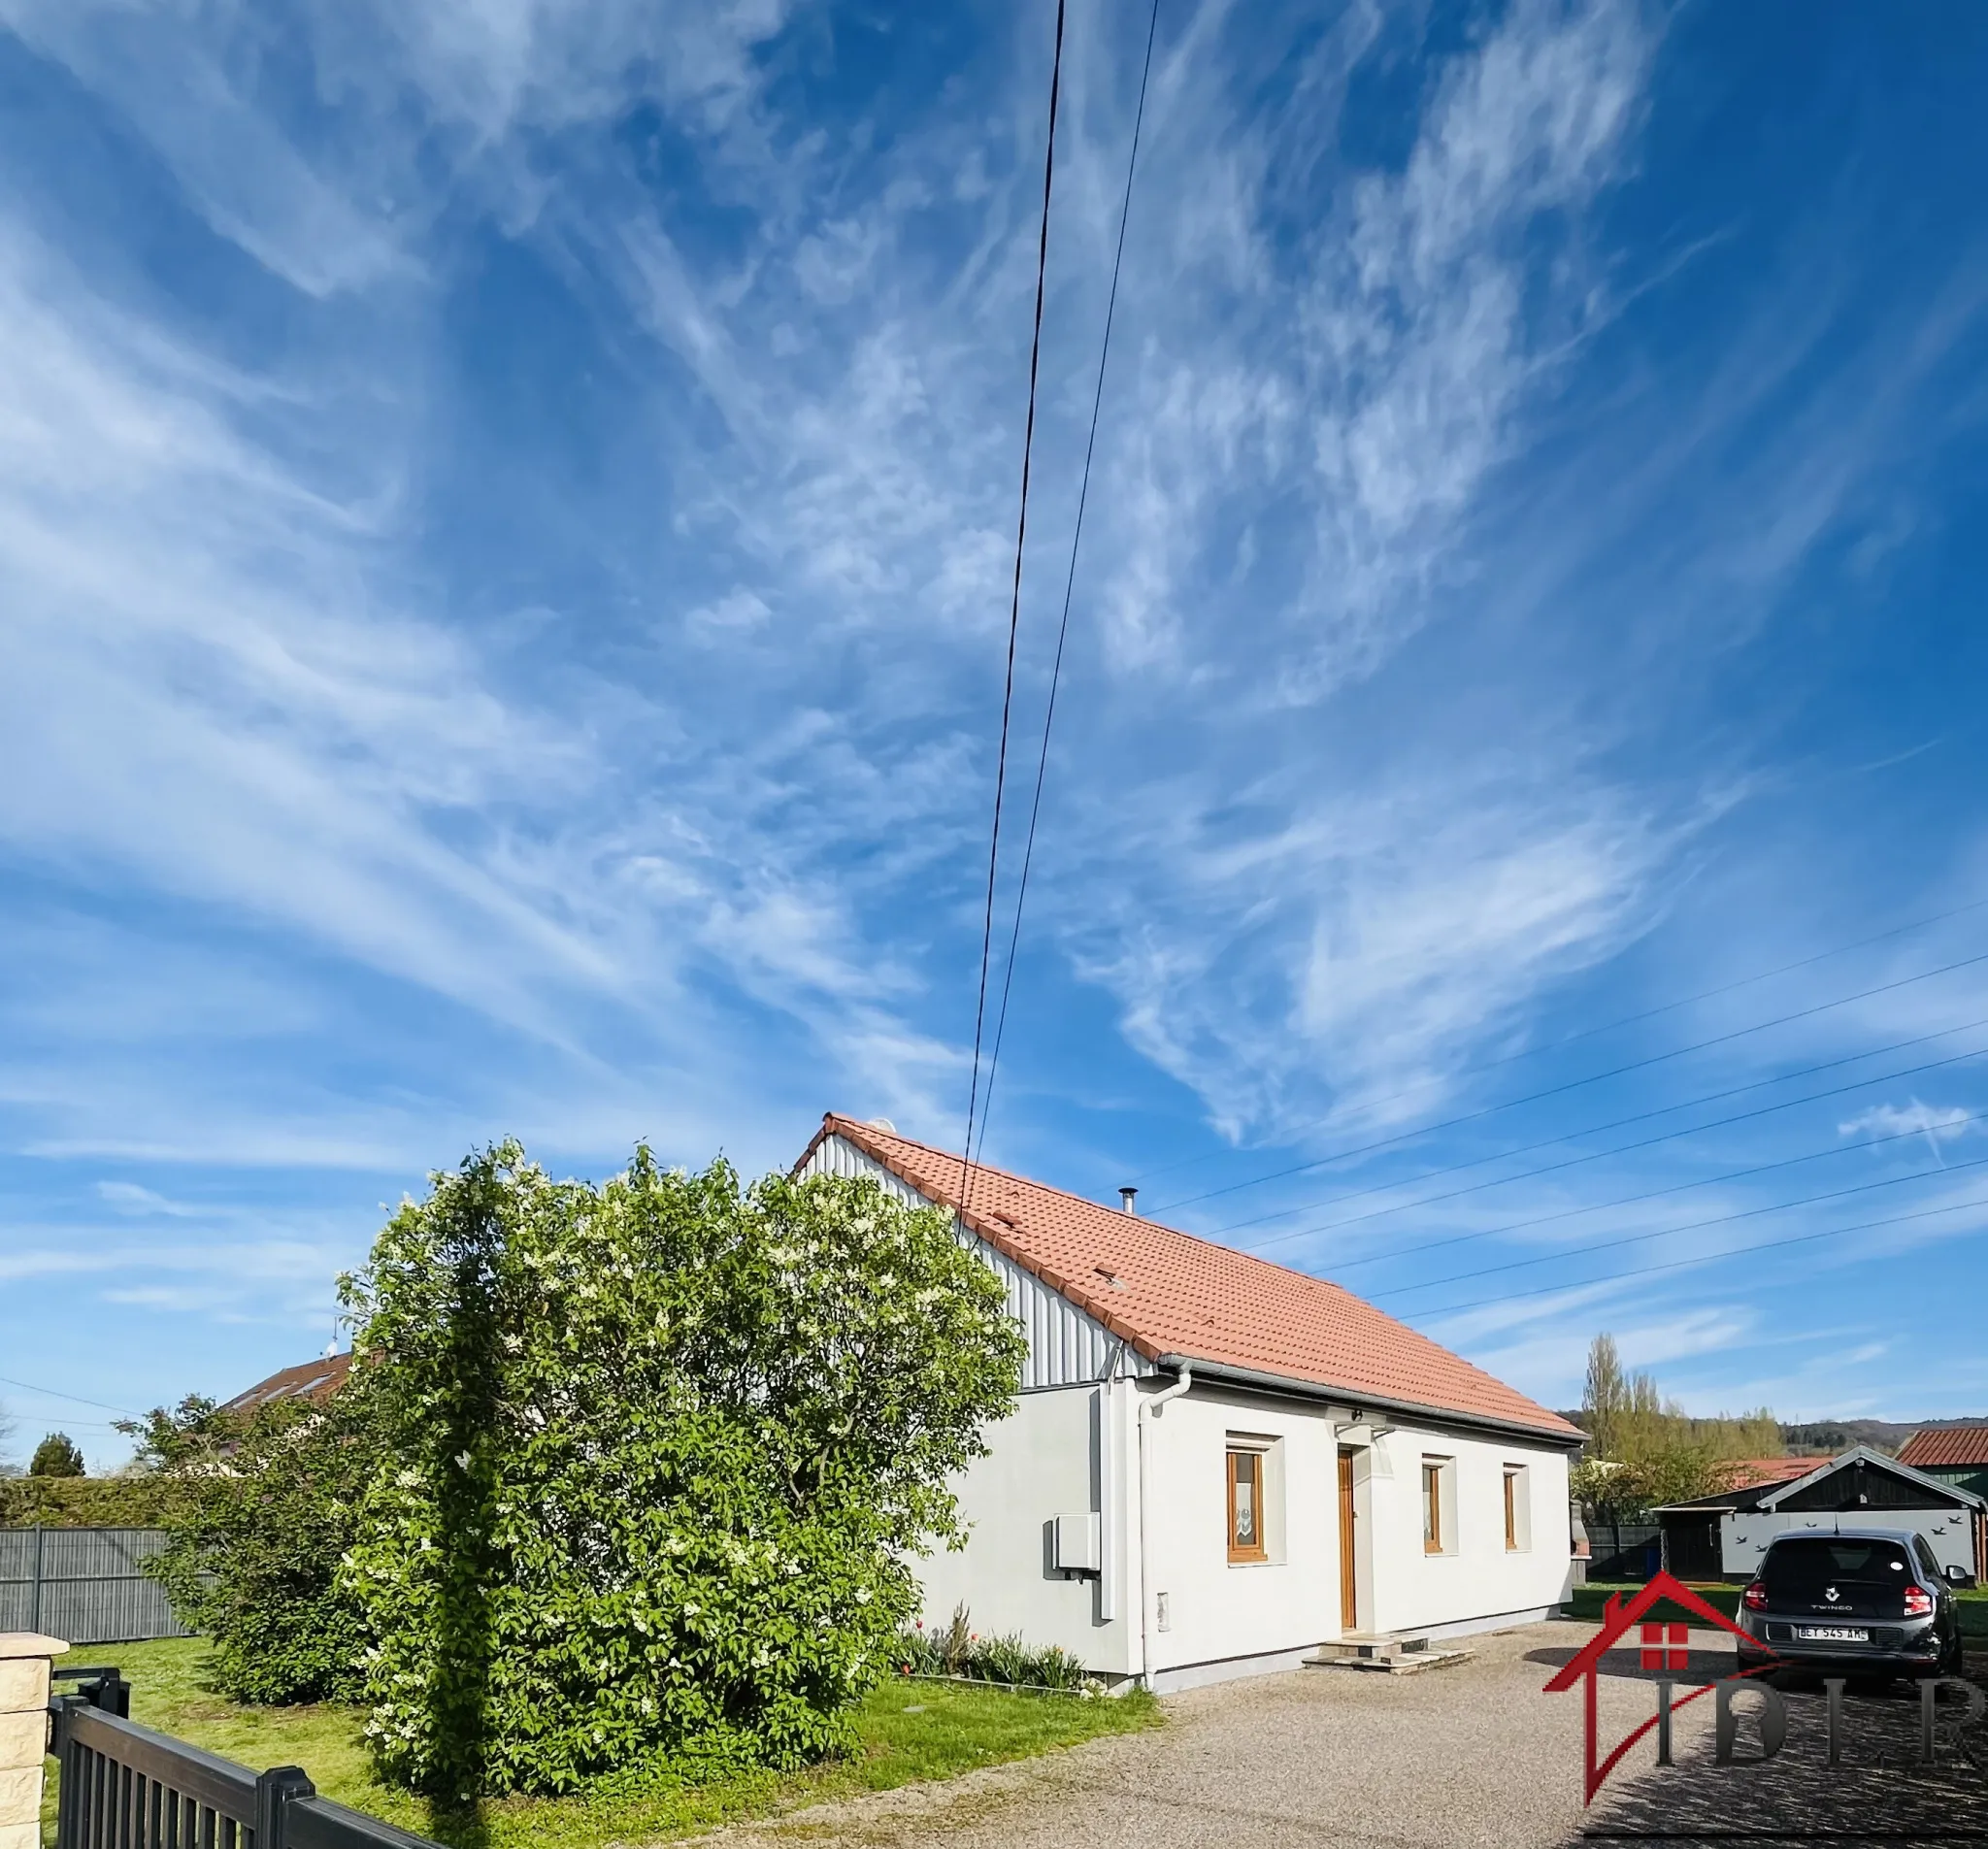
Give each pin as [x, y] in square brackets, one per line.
[138, 1501]
[653, 1455]
[957, 1650]
[258, 1512]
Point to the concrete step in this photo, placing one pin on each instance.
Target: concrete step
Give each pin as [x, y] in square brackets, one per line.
[1394, 1653]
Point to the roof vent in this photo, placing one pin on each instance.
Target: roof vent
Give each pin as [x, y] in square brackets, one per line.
[1111, 1277]
[885, 1124]
[1128, 1198]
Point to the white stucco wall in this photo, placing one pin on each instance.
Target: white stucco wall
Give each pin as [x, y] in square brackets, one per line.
[1476, 1579]
[1221, 1611]
[1047, 1458]
[1216, 1609]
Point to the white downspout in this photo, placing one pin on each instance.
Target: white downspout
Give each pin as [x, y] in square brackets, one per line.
[1153, 1403]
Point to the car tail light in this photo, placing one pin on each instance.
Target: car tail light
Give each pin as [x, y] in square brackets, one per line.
[1918, 1602]
[1754, 1598]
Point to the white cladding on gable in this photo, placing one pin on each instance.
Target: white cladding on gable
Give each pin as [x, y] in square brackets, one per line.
[1066, 1347]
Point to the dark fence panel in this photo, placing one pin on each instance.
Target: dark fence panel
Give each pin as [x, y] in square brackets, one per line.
[130, 1787]
[1624, 1550]
[86, 1585]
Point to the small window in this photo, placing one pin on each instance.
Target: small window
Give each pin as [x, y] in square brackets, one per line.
[1518, 1510]
[1246, 1506]
[1432, 1506]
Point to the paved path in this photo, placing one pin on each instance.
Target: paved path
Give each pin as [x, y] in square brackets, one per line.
[1472, 1754]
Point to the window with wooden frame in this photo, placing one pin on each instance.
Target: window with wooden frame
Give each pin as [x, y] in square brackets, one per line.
[1517, 1509]
[1247, 1504]
[1432, 1506]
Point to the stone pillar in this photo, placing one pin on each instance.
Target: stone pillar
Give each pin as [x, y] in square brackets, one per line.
[23, 1733]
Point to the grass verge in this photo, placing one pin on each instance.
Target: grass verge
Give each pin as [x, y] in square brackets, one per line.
[911, 1731]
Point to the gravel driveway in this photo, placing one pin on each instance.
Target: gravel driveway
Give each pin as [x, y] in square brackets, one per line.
[1473, 1754]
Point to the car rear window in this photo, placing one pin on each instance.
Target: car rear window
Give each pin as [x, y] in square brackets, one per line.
[1812, 1562]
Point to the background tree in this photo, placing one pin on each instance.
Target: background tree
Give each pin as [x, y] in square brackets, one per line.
[56, 1456]
[1645, 1451]
[260, 1512]
[655, 1455]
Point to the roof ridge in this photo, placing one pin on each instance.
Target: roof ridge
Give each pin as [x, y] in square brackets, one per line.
[1101, 1207]
[902, 1155]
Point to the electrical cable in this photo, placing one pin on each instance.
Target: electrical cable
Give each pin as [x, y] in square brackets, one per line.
[1690, 1226]
[1623, 1123]
[1028, 443]
[1704, 1258]
[55, 1393]
[1574, 1085]
[1684, 1187]
[1628, 1020]
[1601, 1155]
[1069, 577]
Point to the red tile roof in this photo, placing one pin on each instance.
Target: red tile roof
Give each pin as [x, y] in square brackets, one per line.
[1747, 1472]
[1944, 1447]
[1169, 1293]
[314, 1380]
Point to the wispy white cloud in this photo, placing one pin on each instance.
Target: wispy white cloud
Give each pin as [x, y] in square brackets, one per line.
[1891, 1120]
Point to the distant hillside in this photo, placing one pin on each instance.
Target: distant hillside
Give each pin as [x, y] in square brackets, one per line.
[1826, 1438]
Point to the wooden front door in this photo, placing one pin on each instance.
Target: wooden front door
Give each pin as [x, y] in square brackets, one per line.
[1349, 1583]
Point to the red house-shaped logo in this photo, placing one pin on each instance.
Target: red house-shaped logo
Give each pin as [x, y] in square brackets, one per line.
[1664, 1647]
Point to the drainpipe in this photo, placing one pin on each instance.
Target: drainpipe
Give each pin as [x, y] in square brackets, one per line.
[1154, 1404]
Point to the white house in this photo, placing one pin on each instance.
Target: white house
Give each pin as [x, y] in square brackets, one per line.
[1220, 1465]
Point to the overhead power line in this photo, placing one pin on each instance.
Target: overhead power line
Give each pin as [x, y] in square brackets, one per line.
[1575, 1085]
[1690, 1226]
[1685, 1187]
[1619, 1149]
[1069, 577]
[1704, 1258]
[1022, 529]
[76, 1399]
[1630, 1020]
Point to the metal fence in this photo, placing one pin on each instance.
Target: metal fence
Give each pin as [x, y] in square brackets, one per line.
[1624, 1550]
[85, 1585]
[123, 1786]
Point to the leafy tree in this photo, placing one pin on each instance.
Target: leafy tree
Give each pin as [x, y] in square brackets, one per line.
[56, 1456]
[260, 1512]
[652, 1459]
[1645, 1451]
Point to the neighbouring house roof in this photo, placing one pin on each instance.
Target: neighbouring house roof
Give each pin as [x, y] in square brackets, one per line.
[1753, 1472]
[315, 1380]
[1770, 1493]
[1173, 1296]
[1946, 1447]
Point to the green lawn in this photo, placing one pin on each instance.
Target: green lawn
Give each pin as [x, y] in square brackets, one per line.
[910, 1731]
[1588, 1600]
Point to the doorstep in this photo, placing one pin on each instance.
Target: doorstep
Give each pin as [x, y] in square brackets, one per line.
[1391, 1653]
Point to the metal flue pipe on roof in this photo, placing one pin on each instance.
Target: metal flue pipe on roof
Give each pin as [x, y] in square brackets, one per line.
[1128, 1198]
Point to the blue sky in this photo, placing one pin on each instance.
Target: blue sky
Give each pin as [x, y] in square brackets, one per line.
[505, 519]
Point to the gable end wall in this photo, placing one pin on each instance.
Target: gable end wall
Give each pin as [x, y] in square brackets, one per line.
[1066, 1347]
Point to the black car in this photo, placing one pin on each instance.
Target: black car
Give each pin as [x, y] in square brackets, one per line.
[1856, 1601]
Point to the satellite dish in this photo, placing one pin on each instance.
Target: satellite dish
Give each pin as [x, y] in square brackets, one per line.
[885, 1124]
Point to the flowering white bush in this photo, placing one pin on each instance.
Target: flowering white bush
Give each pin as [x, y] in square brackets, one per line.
[655, 1455]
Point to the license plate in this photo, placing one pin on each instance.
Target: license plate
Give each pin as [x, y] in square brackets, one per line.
[1830, 1634]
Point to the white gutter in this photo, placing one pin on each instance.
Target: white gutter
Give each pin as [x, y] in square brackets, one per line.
[1154, 1404]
